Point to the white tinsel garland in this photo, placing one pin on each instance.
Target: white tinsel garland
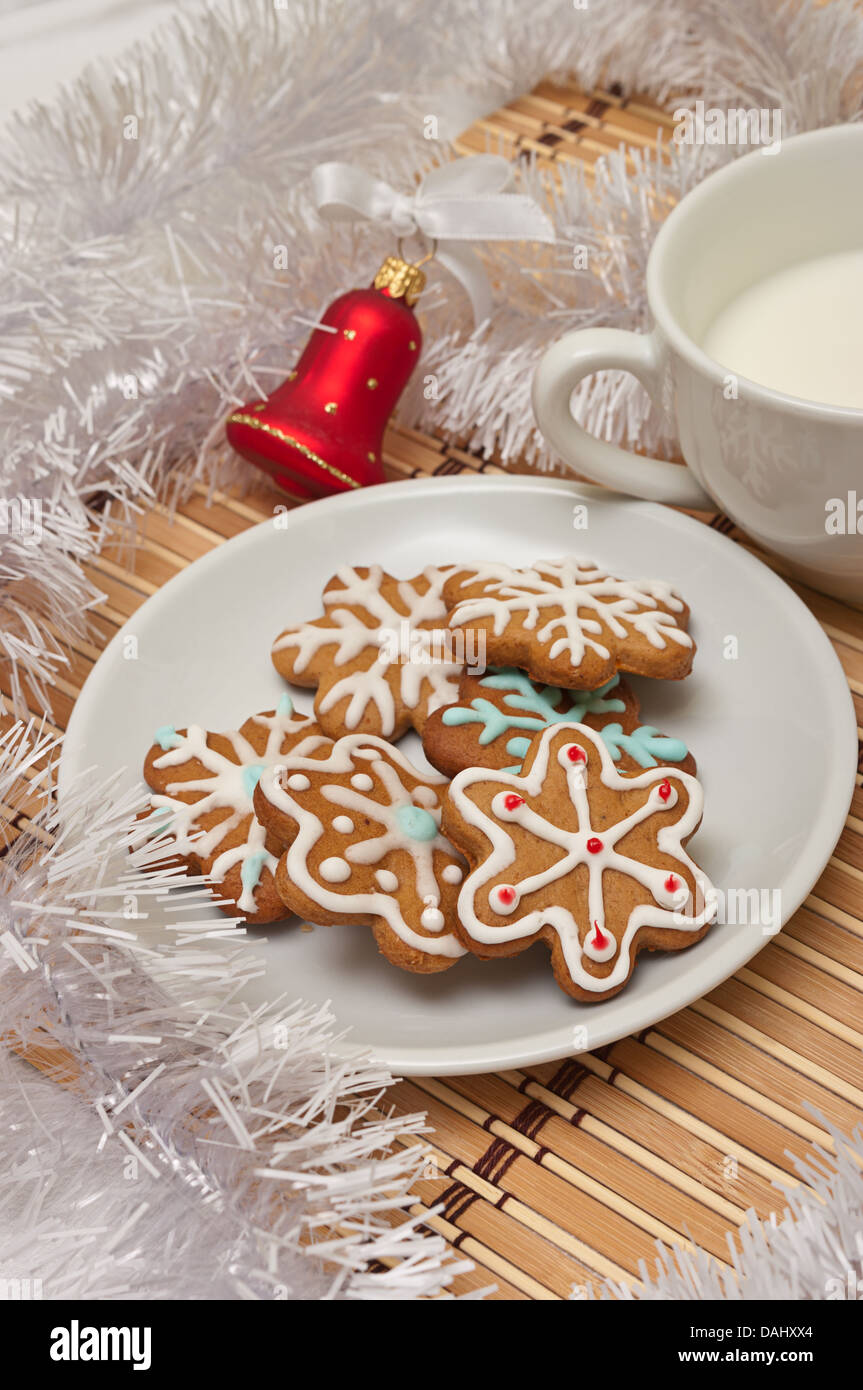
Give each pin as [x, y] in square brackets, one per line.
[140, 302]
[218, 1152]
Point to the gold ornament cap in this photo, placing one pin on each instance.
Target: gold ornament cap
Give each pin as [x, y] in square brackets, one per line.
[401, 280]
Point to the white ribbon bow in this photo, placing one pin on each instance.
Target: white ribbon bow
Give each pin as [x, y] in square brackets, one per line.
[459, 202]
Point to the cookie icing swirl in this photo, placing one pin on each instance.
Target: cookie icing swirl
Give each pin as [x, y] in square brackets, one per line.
[405, 819]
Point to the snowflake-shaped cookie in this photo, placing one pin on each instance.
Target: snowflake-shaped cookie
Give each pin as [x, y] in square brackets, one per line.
[497, 714]
[362, 830]
[572, 624]
[575, 854]
[382, 655]
[203, 786]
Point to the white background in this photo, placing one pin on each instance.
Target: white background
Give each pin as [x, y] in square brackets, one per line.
[46, 43]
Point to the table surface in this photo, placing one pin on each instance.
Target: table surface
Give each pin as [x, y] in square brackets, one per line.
[558, 1176]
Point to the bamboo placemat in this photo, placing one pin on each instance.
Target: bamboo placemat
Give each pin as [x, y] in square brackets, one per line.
[555, 1177]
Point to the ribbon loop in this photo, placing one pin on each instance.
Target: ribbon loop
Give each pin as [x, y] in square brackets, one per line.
[402, 217]
[463, 201]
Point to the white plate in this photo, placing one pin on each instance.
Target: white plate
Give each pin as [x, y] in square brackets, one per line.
[773, 730]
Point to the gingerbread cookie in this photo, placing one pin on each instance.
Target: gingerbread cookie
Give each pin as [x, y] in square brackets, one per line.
[202, 792]
[362, 829]
[381, 657]
[497, 715]
[580, 857]
[570, 624]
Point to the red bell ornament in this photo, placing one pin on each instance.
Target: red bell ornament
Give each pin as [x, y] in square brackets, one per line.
[321, 431]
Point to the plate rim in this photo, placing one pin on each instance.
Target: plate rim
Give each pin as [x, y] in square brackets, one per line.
[452, 1060]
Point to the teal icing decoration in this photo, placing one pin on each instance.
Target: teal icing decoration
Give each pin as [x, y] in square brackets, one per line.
[160, 819]
[531, 708]
[285, 705]
[494, 721]
[544, 703]
[645, 744]
[250, 873]
[167, 737]
[534, 708]
[416, 823]
[251, 777]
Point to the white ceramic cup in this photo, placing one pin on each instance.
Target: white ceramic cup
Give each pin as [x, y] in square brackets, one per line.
[774, 463]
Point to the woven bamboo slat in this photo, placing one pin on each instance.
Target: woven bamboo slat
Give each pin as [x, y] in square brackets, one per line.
[555, 1177]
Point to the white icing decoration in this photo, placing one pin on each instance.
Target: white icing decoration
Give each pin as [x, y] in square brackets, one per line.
[425, 796]
[433, 919]
[452, 874]
[572, 587]
[668, 908]
[417, 666]
[298, 783]
[343, 824]
[504, 903]
[226, 788]
[394, 774]
[334, 870]
[362, 782]
[600, 953]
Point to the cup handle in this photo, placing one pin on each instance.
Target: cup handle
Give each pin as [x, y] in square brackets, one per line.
[577, 355]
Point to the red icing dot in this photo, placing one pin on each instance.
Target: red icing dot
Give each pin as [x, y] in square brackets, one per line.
[671, 883]
[575, 754]
[665, 790]
[593, 845]
[512, 801]
[506, 895]
[599, 940]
